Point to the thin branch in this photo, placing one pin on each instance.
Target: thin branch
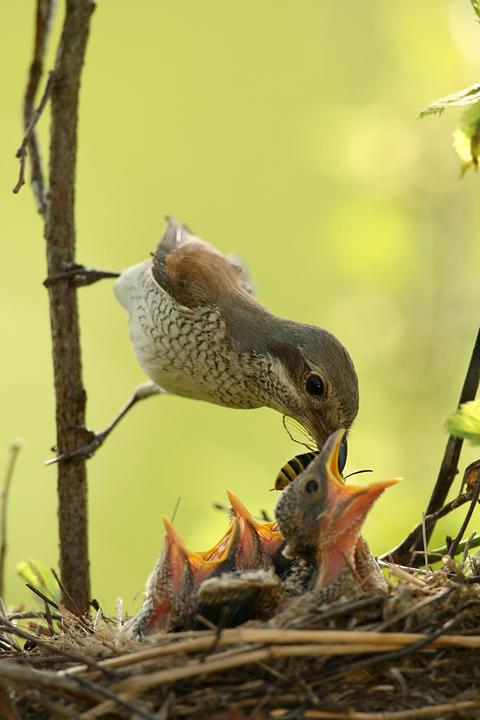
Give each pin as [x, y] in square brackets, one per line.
[135, 707]
[14, 449]
[438, 553]
[428, 711]
[403, 554]
[476, 493]
[424, 537]
[43, 22]
[23, 678]
[467, 549]
[22, 150]
[449, 466]
[45, 599]
[397, 654]
[407, 552]
[54, 648]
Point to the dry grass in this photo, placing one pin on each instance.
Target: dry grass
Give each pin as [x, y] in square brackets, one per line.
[412, 654]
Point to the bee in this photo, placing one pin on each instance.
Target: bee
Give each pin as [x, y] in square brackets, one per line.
[293, 468]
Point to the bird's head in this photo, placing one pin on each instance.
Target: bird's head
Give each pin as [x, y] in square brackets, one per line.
[317, 383]
[321, 517]
[179, 573]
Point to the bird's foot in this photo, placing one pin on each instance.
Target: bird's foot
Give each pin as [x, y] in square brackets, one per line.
[85, 451]
[78, 274]
[95, 439]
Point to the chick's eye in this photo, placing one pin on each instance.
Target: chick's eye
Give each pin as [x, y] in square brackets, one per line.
[315, 386]
[311, 486]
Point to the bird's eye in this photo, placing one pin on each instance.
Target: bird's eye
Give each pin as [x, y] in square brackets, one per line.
[315, 386]
[311, 486]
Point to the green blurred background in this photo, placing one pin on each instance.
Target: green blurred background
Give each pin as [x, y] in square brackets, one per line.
[285, 131]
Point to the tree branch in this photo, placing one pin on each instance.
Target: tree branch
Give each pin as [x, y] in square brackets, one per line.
[14, 449]
[449, 466]
[43, 22]
[70, 396]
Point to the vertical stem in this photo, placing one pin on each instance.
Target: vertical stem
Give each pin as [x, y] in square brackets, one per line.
[70, 396]
[13, 454]
[449, 466]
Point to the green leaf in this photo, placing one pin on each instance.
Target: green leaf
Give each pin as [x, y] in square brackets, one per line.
[476, 7]
[40, 576]
[466, 139]
[469, 96]
[465, 422]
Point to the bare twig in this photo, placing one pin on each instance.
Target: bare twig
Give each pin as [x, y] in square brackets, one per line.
[72, 606]
[35, 117]
[14, 449]
[449, 465]
[46, 600]
[6, 636]
[293, 643]
[435, 711]
[402, 554]
[43, 22]
[466, 550]
[53, 647]
[22, 677]
[424, 536]
[431, 600]
[135, 707]
[437, 554]
[397, 654]
[408, 551]
[454, 545]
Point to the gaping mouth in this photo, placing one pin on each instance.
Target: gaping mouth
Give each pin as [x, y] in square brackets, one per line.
[258, 541]
[346, 509]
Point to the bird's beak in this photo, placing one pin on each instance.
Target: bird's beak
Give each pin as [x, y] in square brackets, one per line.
[347, 507]
[258, 542]
[200, 564]
[316, 427]
[180, 572]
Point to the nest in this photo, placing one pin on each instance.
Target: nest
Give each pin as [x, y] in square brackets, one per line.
[411, 654]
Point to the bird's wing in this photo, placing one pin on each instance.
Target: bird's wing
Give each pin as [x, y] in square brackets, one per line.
[194, 273]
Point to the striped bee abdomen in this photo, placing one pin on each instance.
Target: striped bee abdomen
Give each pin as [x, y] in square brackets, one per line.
[293, 468]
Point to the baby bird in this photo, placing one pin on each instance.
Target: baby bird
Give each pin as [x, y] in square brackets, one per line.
[321, 517]
[180, 575]
[172, 588]
[198, 332]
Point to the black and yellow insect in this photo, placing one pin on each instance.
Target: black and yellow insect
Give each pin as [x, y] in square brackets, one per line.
[293, 468]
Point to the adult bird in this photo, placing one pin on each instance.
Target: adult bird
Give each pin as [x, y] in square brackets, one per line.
[197, 331]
